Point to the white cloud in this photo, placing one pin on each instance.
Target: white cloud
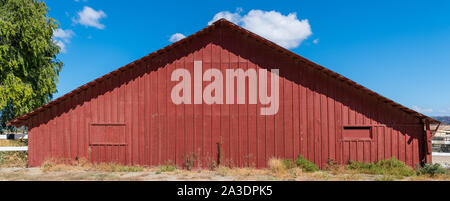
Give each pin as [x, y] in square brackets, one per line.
[176, 37]
[232, 17]
[285, 30]
[90, 18]
[422, 110]
[316, 41]
[445, 112]
[62, 37]
[61, 45]
[65, 35]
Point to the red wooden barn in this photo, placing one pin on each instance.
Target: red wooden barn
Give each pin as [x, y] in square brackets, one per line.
[129, 116]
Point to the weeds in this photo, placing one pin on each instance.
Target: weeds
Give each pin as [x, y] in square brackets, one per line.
[288, 164]
[57, 165]
[113, 167]
[392, 167]
[305, 164]
[295, 172]
[166, 168]
[210, 163]
[432, 170]
[84, 165]
[334, 168]
[13, 143]
[222, 170]
[276, 165]
[13, 159]
[189, 161]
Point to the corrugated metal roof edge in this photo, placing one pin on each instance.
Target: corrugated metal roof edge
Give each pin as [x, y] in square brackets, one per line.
[20, 121]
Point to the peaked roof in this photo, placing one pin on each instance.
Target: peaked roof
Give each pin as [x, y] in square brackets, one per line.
[19, 121]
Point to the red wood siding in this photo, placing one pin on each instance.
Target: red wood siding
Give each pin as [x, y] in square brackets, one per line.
[314, 108]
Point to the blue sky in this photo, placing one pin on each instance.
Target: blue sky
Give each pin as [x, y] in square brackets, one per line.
[399, 49]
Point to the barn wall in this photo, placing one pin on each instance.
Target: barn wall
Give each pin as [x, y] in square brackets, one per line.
[313, 110]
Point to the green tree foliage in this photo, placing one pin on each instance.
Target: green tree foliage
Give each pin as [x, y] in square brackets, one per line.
[29, 67]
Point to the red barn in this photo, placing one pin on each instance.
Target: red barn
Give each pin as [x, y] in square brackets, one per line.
[132, 115]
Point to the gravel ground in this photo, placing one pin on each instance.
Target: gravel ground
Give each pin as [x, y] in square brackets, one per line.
[443, 160]
[36, 174]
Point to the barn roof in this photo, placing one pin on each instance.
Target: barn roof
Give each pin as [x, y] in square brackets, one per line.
[22, 120]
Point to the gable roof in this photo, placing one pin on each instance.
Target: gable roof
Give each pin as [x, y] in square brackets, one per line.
[19, 121]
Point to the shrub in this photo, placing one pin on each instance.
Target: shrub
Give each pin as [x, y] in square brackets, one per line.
[392, 167]
[432, 170]
[288, 164]
[305, 164]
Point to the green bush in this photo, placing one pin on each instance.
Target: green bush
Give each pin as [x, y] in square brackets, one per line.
[432, 170]
[392, 167]
[125, 168]
[305, 164]
[167, 168]
[288, 164]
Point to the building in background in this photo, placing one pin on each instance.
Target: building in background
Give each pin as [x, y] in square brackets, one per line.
[441, 140]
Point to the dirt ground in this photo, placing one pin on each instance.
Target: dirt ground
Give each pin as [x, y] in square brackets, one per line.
[37, 174]
[70, 173]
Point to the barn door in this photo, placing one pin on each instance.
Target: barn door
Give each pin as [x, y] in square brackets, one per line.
[356, 143]
[107, 143]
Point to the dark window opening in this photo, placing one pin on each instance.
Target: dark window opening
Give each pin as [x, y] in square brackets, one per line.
[357, 133]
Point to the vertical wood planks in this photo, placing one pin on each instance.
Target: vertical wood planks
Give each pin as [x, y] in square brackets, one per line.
[313, 110]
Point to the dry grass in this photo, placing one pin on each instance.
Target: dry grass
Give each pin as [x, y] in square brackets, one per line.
[82, 164]
[440, 177]
[13, 159]
[276, 165]
[279, 169]
[295, 172]
[57, 165]
[12, 143]
[222, 170]
[116, 172]
[113, 167]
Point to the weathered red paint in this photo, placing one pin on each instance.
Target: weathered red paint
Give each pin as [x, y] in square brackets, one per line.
[128, 117]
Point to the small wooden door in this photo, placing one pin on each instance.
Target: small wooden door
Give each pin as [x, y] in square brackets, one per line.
[356, 143]
[107, 143]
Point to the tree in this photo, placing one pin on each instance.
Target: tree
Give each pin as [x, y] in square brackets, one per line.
[29, 67]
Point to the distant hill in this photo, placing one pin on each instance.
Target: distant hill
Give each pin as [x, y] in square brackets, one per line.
[443, 119]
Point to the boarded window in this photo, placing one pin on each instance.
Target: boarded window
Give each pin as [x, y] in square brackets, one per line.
[357, 133]
[107, 134]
